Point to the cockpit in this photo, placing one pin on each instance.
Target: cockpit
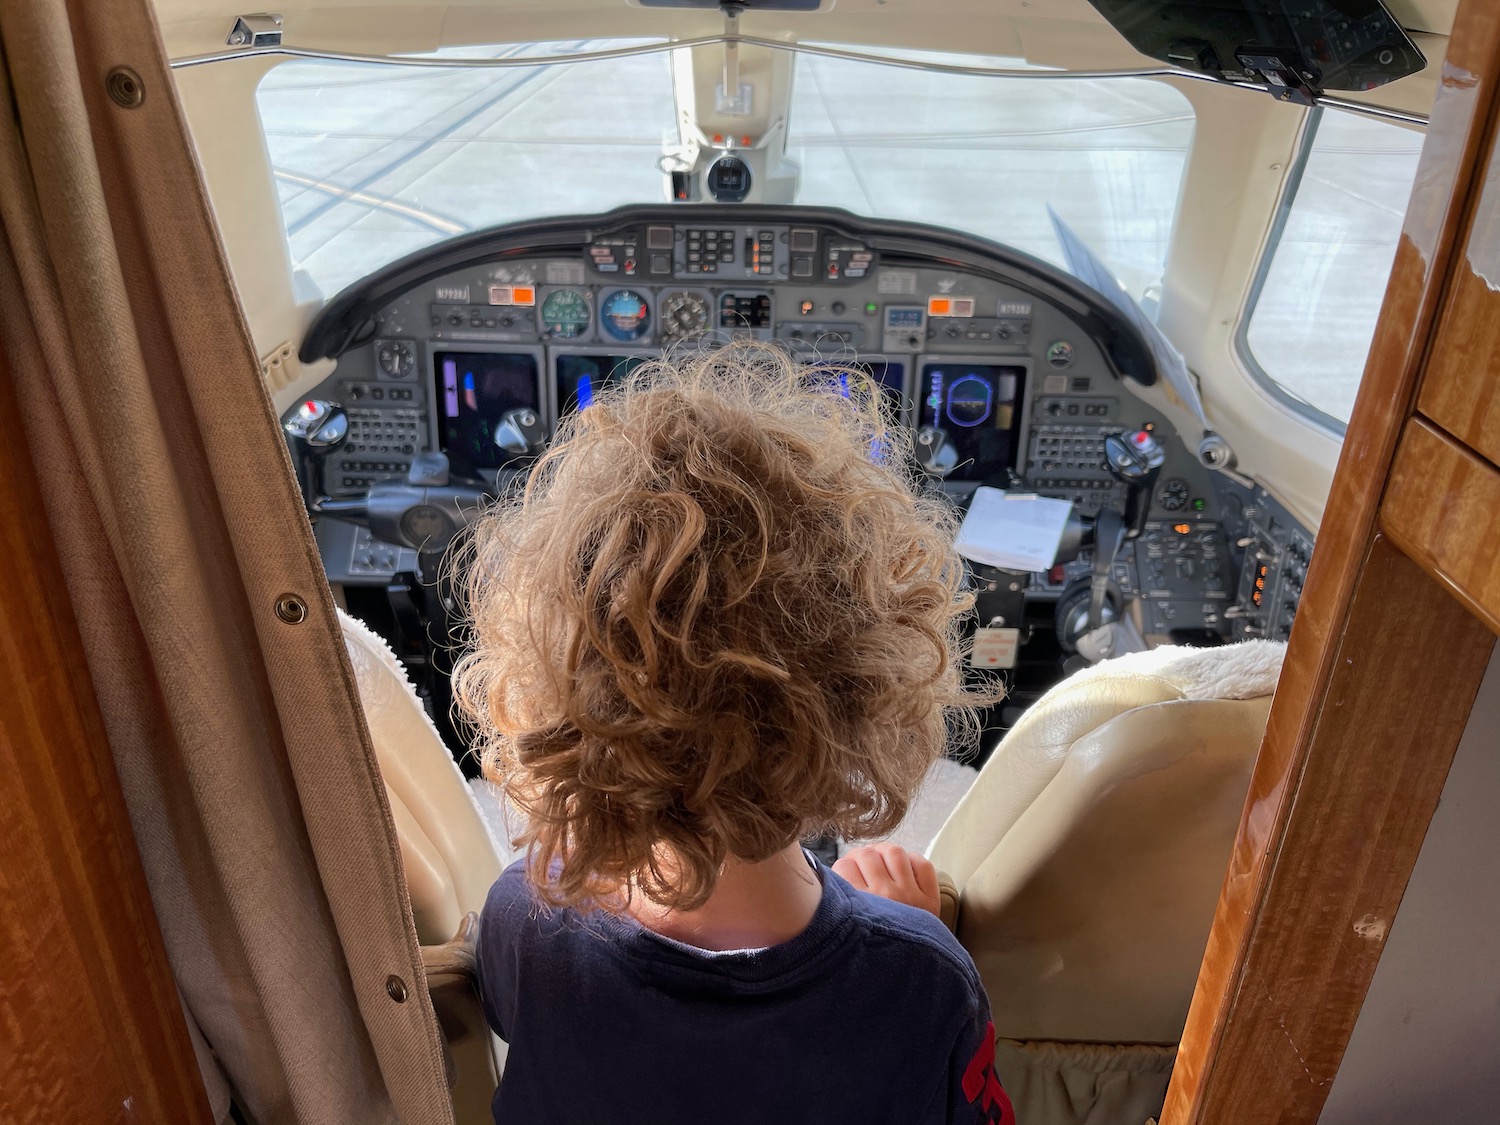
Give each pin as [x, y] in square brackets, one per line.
[1014, 246]
[997, 242]
[1112, 270]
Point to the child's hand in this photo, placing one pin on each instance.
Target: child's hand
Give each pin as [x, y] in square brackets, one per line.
[892, 872]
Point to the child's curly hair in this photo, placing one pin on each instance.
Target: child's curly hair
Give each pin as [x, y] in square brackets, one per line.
[721, 618]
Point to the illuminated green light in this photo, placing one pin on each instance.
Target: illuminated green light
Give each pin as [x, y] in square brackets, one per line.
[872, 308]
[1199, 505]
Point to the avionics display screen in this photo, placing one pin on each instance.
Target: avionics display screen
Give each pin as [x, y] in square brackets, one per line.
[979, 406]
[474, 391]
[889, 377]
[581, 377]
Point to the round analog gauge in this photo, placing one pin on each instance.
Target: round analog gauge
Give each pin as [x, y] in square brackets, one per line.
[1174, 494]
[395, 358]
[625, 315]
[1060, 353]
[970, 401]
[565, 314]
[683, 315]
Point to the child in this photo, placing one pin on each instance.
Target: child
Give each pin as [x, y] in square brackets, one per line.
[721, 620]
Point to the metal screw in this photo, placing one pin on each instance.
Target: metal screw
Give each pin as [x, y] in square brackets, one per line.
[291, 609]
[395, 988]
[125, 87]
[238, 38]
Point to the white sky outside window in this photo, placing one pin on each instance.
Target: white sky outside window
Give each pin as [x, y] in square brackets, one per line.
[1312, 323]
[988, 155]
[375, 162]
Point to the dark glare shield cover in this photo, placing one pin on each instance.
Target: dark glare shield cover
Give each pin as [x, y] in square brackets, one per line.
[752, 5]
[1332, 44]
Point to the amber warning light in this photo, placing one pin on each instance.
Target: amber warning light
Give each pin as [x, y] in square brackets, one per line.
[950, 306]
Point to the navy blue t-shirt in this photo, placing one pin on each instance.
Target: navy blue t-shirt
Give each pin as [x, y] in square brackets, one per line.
[872, 1014]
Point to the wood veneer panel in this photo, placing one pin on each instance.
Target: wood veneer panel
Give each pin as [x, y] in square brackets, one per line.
[1407, 667]
[1221, 1073]
[1443, 509]
[1461, 391]
[90, 1026]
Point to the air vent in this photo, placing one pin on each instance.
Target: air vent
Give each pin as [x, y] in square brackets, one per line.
[1079, 384]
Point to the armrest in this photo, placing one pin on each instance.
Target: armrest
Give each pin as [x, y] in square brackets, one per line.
[468, 1050]
[948, 901]
[453, 961]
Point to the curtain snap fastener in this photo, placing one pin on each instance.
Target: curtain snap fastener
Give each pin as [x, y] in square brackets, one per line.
[291, 609]
[125, 87]
[395, 988]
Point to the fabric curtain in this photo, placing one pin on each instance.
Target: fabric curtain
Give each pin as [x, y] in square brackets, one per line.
[225, 688]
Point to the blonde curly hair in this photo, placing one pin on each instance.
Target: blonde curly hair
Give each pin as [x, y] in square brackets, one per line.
[722, 617]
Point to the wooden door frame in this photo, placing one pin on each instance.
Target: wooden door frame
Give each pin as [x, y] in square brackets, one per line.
[1384, 662]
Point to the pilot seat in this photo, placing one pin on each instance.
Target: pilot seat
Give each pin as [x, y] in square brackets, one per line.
[1085, 863]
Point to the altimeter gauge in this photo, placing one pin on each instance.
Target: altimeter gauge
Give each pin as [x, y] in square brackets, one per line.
[683, 315]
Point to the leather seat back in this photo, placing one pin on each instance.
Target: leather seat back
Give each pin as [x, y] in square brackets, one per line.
[449, 856]
[1089, 853]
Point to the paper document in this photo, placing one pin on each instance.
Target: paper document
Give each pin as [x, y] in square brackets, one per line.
[1013, 531]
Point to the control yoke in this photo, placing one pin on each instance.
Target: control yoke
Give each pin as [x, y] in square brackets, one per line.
[427, 510]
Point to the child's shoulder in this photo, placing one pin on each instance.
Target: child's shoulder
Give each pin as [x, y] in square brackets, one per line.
[910, 934]
[514, 906]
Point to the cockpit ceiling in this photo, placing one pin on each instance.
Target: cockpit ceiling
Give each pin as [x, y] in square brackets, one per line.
[1063, 33]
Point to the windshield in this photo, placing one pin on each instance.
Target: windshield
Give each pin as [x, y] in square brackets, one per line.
[988, 155]
[374, 162]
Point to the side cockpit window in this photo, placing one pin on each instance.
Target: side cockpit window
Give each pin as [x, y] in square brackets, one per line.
[1312, 314]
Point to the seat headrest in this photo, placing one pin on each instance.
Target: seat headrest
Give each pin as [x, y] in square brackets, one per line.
[1035, 748]
[1247, 670]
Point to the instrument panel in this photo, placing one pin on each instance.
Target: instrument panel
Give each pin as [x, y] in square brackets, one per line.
[1020, 364]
